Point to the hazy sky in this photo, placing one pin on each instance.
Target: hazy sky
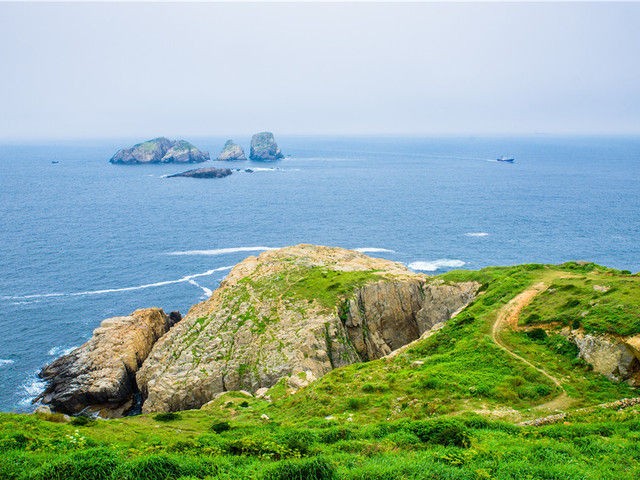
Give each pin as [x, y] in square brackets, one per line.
[140, 70]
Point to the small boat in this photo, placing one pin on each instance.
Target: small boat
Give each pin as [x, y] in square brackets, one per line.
[55, 161]
[505, 159]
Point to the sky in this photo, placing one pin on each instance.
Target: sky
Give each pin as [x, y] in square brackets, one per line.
[94, 70]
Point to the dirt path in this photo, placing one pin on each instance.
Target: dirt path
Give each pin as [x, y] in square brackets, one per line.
[508, 318]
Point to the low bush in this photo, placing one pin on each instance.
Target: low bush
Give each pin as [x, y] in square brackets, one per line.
[308, 469]
[220, 427]
[446, 431]
[167, 416]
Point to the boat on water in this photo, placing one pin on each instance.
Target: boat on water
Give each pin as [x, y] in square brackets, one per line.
[505, 159]
[54, 161]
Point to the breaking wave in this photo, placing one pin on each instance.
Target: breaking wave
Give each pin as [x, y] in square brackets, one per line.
[60, 351]
[436, 264]
[221, 251]
[184, 279]
[476, 234]
[4, 362]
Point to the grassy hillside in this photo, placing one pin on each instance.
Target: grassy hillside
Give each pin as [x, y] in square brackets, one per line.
[447, 406]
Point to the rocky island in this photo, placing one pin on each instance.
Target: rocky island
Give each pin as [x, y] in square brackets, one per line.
[208, 172]
[264, 148]
[231, 151]
[160, 150]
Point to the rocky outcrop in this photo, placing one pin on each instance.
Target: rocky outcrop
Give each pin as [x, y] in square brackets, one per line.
[385, 316]
[614, 357]
[264, 148]
[283, 314]
[210, 172]
[160, 150]
[99, 376]
[231, 151]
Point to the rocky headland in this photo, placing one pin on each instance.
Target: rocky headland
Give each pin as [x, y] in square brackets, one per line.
[264, 148]
[231, 151]
[160, 150]
[294, 313]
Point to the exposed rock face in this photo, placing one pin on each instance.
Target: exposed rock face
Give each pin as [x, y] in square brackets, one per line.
[264, 148]
[210, 172]
[160, 150]
[100, 374]
[385, 316]
[277, 316]
[614, 357]
[231, 151]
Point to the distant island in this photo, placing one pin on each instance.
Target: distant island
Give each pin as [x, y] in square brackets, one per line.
[210, 172]
[163, 150]
[160, 150]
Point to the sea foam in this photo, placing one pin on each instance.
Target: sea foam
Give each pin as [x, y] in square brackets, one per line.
[476, 234]
[434, 265]
[4, 362]
[221, 251]
[373, 250]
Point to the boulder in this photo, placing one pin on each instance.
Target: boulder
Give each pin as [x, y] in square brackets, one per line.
[160, 150]
[231, 151]
[264, 148]
[99, 376]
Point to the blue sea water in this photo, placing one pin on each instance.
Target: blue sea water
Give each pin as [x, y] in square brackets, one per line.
[83, 240]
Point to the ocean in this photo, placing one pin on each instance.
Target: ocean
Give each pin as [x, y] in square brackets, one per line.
[83, 240]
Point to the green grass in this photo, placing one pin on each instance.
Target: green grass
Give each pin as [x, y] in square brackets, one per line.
[597, 301]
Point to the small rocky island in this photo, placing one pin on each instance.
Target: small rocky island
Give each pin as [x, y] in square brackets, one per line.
[160, 150]
[264, 148]
[231, 151]
[208, 172]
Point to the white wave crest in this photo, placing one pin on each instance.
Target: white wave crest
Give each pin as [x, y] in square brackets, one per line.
[476, 234]
[436, 264]
[373, 250]
[221, 251]
[60, 351]
[184, 279]
[4, 362]
[206, 290]
[31, 389]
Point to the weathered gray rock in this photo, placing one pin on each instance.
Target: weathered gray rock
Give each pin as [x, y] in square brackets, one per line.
[210, 172]
[231, 151]
[254, 330]
[264, 148]
[184, 152]
[160, 150]
[99, 376]
[608, 355]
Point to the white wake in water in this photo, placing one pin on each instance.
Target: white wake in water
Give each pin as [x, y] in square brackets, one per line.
[206, 290]
[221, 251]
[476, 234]
[4, 362]
[436, 264]
[184, 279]
[373, 250]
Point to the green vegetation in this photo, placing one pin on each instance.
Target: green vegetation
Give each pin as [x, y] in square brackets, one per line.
[599, 300]
[447, 407]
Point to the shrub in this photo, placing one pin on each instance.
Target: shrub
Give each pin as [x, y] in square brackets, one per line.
[244, 404]
[220, 427]
[82, 420]
[154, 467]
[297, 440]
[446, 431]
[167, 416]
[537, 334]
[355, 403]
[15, 441]
[308, 469]
[335, 434]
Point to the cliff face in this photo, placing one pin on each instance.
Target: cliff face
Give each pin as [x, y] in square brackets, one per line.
[264, 148]
[100, 374]
[231, 151]
[292, 313]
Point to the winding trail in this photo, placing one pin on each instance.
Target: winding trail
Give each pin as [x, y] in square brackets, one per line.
[508, 318]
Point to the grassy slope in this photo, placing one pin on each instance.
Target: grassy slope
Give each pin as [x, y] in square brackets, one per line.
[387, 417]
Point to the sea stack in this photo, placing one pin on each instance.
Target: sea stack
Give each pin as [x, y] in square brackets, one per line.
[264, 148]
[160, 150]
[231, 151]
